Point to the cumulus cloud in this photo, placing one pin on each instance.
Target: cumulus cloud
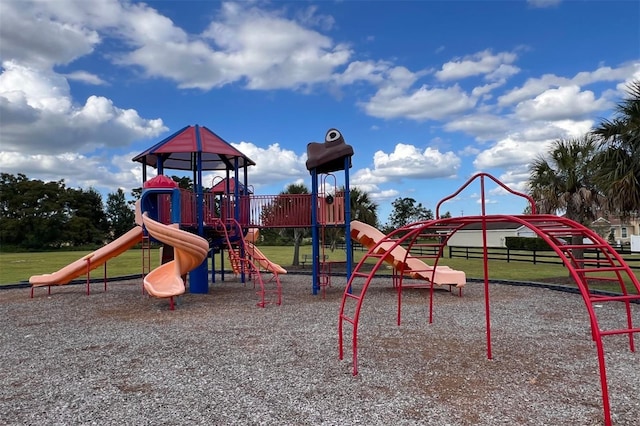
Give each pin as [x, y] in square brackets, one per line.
[407, 161]
[244, 43]
[562, 103]
[82, 171]
[273, 164]
[509, 152]
[85, 77]
[45, 41]
[492, 66]
[39, 115]
[422, 104]
[482, 126]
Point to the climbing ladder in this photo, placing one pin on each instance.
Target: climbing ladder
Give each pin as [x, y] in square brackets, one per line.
[585, 254]
[242, 260]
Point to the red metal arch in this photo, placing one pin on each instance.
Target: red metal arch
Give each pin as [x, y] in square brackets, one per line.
[426, 240]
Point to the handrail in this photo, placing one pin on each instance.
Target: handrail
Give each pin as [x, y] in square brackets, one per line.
[481, 175]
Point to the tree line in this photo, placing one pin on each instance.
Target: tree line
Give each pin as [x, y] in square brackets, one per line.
[37, 215]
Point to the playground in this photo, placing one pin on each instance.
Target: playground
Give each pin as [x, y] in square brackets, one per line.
[202, 230]
[119, 357]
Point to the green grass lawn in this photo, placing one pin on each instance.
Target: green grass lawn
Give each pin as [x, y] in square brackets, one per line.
[18, 267]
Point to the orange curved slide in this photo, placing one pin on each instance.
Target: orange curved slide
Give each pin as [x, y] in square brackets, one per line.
[90, 261]
[190, 250]
[370, 237]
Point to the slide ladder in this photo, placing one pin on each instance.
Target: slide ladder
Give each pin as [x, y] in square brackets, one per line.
[269, 291]
[235, 258]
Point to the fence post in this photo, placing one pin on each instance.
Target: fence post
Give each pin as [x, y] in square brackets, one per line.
[508, 255]
[534, 256]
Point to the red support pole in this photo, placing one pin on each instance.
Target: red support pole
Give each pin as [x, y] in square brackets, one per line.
[88, 276]
[485, 255]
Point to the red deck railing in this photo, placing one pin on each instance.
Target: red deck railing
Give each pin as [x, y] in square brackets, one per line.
[259, 211]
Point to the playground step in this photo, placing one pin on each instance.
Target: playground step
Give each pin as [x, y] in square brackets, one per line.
[601, 269]
[623, 298]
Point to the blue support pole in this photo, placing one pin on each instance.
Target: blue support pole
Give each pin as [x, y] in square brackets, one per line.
[347, 217]
[315, 238]
[236, 212]
[198, 278]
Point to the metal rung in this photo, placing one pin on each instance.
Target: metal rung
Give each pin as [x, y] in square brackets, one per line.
[620, 331]
[599, 298]
[347, 319]
[352, 296]
[603, 269]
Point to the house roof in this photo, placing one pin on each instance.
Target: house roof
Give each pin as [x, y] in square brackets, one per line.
[180, 151]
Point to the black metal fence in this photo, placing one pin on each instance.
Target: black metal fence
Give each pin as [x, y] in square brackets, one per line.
[533, 256]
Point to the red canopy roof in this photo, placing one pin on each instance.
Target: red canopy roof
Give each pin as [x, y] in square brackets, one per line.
[179, 151]
[221, 187]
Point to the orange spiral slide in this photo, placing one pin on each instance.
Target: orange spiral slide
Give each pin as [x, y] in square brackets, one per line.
[189, 250]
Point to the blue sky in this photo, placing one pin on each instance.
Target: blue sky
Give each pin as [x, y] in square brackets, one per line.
[427, 92]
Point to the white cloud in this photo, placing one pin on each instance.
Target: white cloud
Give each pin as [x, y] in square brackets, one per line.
[422, 104]
[370, 71]
[493, 66]
[535, 86]
[273, 164]
[80, 171]
[544, 3]
[85, 77]
[482, 126]
[510, 153]
[45, 41]
[407, 161]
[566, 102]
[245, 43]
[38, 115]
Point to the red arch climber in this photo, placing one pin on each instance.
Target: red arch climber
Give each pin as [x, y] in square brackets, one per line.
[426, 240]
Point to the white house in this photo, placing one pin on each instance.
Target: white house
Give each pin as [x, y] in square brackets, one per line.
[619, 232]
[471, 235]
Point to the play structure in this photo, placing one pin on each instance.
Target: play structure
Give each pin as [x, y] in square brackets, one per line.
[194, 225]
[426, 240]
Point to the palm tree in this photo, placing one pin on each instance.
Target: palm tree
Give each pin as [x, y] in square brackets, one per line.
[619, 158]
[362, 208]
[565, 180]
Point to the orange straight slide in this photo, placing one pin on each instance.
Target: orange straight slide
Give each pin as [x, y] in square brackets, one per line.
[370, 237]
[90, 261]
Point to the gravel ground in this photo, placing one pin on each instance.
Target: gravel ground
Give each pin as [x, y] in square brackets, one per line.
[122, 358]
